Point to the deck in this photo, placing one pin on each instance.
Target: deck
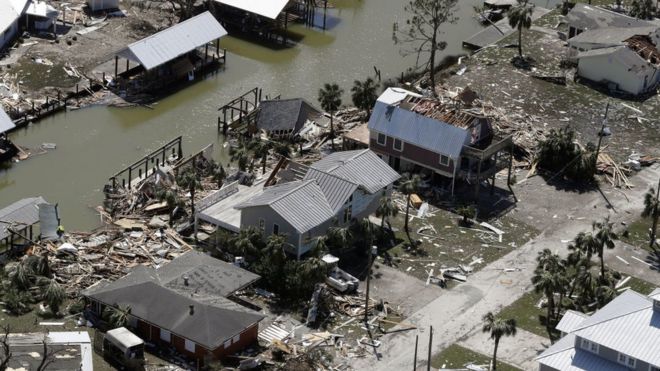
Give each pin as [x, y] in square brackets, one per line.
[501, 29]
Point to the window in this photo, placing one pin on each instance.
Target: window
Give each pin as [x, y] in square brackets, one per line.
[589, 346]
[236, 339]
[276, 229]
[262, 225]
[398, 145]
[165, 335]
[190, 346]
[132, 321]
[444, 160]
[348, 213]
[382, 139]
[627, 361]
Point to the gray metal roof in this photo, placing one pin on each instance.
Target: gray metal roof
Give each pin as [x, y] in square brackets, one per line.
[591, 17]
[6, 123]
[175, 41]
[599, 52]
[285, 114]
[208, 326]
[424, 132]
[611, 35]
[628, 324]
[301, 203]
[563, 355]
[570, 321]
[362, 167]
[336, 190]
[21, 213]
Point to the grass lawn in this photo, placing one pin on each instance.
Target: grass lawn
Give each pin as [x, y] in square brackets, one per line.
[638, 233]
[445, 244]
[457, 356]
[527, 314]
[640, 285]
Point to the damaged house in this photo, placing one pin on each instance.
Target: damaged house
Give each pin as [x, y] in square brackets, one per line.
[334, 191]
[286, 118]
[412, 134]
[10, 16]
[624, 59]
[185, 304]
[585, 17]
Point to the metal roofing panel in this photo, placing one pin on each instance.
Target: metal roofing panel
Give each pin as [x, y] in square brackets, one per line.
[578, 360]
[24, 212]
[6, 122]
[271, 194]
[611, 35]
[266, 8]
[305, 208]
[396, 95]
[362, 167]
[424, 132]
[336, 190]
[10, 12]
[175, 41]
[591, 17]
[570, 321]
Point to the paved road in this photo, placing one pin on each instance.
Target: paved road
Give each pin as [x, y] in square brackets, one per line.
[457, 312]
[518, 351]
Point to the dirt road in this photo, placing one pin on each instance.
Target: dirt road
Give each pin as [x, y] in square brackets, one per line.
[457, 312]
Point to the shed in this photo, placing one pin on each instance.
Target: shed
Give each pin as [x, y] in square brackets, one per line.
[40, 16]
[96, 5]
[20, 215]
[265, 8]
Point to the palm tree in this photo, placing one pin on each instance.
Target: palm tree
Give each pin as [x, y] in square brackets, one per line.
[497, 328]
[339, 238]
[283, 148]
[364, 94]
[117, 316]
[652, 209]
[330, 99]
[172, 199]
[408, 185]
[386, 210]
[605, 294]
[240, 157]
[605, 238]
[520, 16]
[546, 282]
[20, 278]
[54, 296]
[248, 243]
[190, 180]
[260, 150]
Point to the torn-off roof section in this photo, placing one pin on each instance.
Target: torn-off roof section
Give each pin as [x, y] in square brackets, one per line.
[22, 213]
[6, 123]
[570, 321]
[591, 17]
[175, 41]
[362, 167]
[285, 114]
[424, 132]
[336, 190]
[611, 36]
[265, 8]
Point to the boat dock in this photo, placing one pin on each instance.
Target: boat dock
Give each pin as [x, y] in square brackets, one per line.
[497, 31]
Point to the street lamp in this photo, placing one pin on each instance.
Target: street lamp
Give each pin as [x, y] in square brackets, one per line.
[372, 253]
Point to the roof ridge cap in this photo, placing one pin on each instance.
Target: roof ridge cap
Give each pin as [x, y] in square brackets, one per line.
[647, 306]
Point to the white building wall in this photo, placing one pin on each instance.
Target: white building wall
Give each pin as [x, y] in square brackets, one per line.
[96, 5]
[611, 68]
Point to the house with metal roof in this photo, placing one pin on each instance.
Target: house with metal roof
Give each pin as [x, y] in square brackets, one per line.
[185, 304]
[280, 118]
[340, 188]
[18, 219]
[416, 134]
[623, 335]
[179, 53]
[585, 17]
[625, 59]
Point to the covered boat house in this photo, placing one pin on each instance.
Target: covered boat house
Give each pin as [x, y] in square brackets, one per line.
[178, 54]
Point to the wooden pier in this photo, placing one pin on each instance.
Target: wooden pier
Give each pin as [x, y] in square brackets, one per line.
[239, 111]
[147, 165]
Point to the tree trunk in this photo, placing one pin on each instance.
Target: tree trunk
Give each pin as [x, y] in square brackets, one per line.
[520, 42]
[405, 226]
[602, 263]
[263, 164]
[497, 343]
[192, 202]
[559, 305]
[655, 214]
[432, 59]
[382, 224]
[551, 306]
[332, 132]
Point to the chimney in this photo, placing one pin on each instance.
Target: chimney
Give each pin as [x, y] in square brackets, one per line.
[185, 280]
[192, 310]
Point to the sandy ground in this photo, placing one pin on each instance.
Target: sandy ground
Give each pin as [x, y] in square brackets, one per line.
[518, 351]
[455, 313]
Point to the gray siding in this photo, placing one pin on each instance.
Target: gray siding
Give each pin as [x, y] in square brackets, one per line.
[613, 355]
[250, 217]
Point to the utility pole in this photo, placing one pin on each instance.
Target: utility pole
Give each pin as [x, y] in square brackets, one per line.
[415, 359]
[372, 252]
[428, 364]
[654, 215]
[601, 133]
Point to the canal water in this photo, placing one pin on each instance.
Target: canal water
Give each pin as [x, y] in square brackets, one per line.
[94, 143]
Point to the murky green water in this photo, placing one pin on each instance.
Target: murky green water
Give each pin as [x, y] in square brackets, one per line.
[94, 143]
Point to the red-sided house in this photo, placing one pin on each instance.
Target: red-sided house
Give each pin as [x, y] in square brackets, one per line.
[412, 134]
[184, 305]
